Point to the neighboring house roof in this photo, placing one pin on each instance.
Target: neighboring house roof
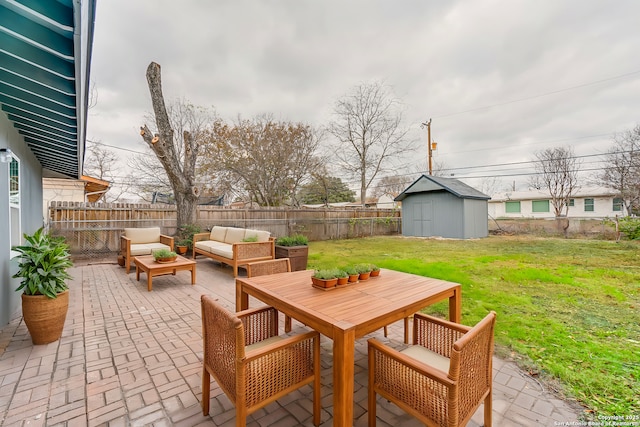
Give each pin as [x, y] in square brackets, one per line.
[429, 183]
[94, 188]
[544, 195]
[44, 78]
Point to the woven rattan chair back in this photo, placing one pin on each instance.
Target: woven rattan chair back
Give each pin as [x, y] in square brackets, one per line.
[437, 397]
[272, 266]
[268, 372]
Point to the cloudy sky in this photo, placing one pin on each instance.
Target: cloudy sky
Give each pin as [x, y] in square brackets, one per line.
[500, 79]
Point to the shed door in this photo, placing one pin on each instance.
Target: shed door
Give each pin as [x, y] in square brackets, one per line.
[423, 219]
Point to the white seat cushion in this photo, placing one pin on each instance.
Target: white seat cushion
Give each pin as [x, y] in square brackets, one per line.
[427, 357]
[146, 248]
[221, 249]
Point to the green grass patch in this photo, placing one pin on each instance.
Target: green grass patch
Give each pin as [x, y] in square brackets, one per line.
[568, 309]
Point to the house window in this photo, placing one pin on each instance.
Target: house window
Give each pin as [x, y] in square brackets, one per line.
[540, 206]
[512, 207]
[14, 202]
[617, 204]
[572, 202]
[589, 205]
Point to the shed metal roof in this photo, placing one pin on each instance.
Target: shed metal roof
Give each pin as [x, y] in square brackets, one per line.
[429, 183]
[45, 55]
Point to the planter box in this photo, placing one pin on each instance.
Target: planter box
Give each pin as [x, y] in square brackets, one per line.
[297, 255]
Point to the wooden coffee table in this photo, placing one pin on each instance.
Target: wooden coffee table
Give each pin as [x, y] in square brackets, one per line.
[149, 265]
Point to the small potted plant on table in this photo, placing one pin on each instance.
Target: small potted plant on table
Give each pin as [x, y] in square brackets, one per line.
[327, 278]
[352, 273]
[375, 270]
[294, 247]
[164, 256]
[43, 264]
[364, 271]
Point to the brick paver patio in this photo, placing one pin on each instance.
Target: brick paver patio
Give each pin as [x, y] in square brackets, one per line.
[129, 357]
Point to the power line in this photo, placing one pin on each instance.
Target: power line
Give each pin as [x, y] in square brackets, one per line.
[538, 96]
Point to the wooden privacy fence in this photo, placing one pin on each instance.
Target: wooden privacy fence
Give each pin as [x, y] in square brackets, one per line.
[93, 230]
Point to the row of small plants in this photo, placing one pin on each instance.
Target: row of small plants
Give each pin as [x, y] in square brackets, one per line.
[347, 274]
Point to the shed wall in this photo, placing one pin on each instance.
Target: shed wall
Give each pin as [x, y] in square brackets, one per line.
[433, 214]
[475, 219]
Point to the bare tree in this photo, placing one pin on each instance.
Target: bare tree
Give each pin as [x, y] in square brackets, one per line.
[622, 172]
[101, 163]
[176, 149]
[267, 159]
[391, 185]
[368, 130]
[558, 170]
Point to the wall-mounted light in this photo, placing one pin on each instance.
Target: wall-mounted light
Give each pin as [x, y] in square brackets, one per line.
[5, 155]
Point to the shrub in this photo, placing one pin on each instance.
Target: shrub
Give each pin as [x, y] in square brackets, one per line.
[43, 264]
[293, 240]
[630, 227]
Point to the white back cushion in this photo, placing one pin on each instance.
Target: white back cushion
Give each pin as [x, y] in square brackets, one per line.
[218, 233]
[234, 235]
[143, 235]
[263, 236]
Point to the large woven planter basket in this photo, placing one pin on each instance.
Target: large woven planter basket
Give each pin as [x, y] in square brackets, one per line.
[45, 316]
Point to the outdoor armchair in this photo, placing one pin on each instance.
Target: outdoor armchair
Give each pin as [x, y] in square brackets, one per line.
[142, 241]
[251, 363]
[443, 378]
[272, 266]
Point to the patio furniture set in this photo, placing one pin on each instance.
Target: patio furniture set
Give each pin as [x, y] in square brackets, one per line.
[441, 378]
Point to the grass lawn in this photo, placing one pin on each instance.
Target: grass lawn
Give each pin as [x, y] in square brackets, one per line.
[568, 310]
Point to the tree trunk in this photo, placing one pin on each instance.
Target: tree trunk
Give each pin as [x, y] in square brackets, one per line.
[181, 174]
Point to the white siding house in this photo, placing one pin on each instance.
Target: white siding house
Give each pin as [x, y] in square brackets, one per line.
[588, 202]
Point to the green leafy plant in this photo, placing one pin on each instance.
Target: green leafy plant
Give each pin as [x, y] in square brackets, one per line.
[350, 270]
[293, 240]
[630, 227]
[43, 264]
[341, 274]
[326, 274]
[374, 267]
[163, 253]
[185, 234]
[363, 268]
[250, 239]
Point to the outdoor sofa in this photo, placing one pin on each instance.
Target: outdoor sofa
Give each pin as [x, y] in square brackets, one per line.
[142, 241]
[229, 245]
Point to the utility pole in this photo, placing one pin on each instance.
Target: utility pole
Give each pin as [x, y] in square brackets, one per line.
[430, 146]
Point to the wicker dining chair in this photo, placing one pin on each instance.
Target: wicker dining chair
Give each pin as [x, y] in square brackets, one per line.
[251, 363]
[272, 266]
[443, 378]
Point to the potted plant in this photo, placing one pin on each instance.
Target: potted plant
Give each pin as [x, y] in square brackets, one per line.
[184, 240]
[352, 273]
[364, 271]
[326, 278]
[43, 264]
[182, 246]
[164, 255]
[343, 278]
[294, 247]
[375, 270]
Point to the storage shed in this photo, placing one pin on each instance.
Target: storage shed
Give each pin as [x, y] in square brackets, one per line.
[444, 207]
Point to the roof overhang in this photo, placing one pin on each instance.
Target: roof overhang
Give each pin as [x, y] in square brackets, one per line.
[45, 57]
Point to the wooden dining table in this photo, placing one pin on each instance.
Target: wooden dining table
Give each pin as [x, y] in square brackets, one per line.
[347, 313]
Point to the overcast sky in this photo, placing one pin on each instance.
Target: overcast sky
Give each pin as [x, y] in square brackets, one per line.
[500, 79]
